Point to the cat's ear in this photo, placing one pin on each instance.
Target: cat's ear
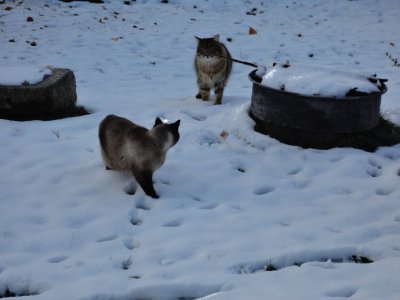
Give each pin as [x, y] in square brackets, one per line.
[216, 37]
[176, 125]
[157, 122]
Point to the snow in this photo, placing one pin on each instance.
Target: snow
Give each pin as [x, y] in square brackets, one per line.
[316, 80]
[17, 75]
[231, 200]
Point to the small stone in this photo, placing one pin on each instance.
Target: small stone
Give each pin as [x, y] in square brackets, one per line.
[29, 19]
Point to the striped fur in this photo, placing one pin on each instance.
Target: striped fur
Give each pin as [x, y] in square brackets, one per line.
[212, 71]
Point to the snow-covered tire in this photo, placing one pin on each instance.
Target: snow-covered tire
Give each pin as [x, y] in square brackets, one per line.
[311, 121]
[52, 98]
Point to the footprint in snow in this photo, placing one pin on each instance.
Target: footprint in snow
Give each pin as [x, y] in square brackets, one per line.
[284, 223]
[130, 244]
[174, 223]
[375, 168]
[393, 155]
[295, 171]
[194, 115]
[263, 190]
[142, 204]
[107, 238]
[336, 159]
[130, 189]
[384, 191]
[196, 198]
[342, 293]
[374, 163]
[374, 172]
[135, 221]
[209, 206]
[56, 133]
[57, 259]
[330, 229]
[165, 181]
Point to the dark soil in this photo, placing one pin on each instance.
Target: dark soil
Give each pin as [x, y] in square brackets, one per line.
[10, 294]
[386, 133]
[351, 259]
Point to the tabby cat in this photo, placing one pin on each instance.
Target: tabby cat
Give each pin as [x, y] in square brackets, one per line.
[212, 71]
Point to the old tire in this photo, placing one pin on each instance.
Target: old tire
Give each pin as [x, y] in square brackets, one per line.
[52, 98]
[311, 121]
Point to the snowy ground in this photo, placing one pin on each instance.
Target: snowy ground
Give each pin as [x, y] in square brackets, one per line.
[230, 204]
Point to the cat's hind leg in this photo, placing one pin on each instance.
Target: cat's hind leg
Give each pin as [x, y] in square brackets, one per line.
[219, 92]
[204, 93]
[145, 180]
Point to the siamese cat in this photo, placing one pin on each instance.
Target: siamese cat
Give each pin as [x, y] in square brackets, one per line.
[128, 147]
[211, 69]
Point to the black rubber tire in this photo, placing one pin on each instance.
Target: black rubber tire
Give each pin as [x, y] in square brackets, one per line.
[52, 98]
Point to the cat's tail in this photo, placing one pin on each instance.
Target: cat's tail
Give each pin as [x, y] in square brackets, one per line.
[261, 70]
[237, 60]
